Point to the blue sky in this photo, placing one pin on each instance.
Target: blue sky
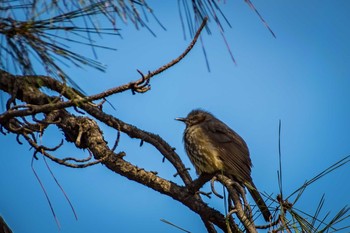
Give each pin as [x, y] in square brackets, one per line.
[301, 78]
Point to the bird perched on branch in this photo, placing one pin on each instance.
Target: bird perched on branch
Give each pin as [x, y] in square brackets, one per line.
[213, 147]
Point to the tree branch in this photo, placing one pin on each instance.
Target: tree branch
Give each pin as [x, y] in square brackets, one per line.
[92, 139]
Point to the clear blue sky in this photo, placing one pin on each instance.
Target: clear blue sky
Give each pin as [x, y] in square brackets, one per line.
[302, 78]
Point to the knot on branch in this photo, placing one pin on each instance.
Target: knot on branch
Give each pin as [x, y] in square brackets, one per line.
[142, 85]
[80, 130]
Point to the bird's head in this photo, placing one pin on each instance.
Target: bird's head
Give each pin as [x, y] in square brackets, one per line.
[195, 117]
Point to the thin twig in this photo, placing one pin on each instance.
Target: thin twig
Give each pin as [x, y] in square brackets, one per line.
[46, 195]
[212, 182]
[60, 186]
[81, 99]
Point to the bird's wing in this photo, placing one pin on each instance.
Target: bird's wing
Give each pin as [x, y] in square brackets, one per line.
[232, 149]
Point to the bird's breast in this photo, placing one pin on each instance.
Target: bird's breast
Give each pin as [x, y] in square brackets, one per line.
[202, 153]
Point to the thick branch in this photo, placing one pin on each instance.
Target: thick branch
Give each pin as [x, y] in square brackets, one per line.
[93, 140]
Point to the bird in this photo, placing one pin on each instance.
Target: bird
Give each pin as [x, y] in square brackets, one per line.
[214, 147]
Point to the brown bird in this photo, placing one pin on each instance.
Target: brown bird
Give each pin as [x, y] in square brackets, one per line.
[213, 147]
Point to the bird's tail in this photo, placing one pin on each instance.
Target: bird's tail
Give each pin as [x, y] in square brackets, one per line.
[259, 201]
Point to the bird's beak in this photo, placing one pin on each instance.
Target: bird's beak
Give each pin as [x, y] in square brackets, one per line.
[181, 119]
